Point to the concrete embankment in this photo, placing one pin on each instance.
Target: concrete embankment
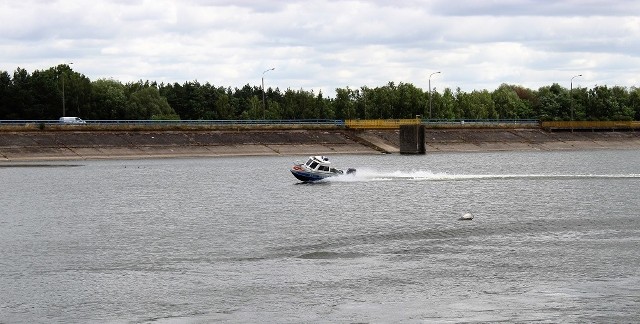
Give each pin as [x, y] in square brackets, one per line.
[80, 145]
[527, 140]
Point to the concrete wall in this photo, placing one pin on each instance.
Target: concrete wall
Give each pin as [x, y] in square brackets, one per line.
[412, 139]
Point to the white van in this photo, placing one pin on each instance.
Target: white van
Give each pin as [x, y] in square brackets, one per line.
[71, 120]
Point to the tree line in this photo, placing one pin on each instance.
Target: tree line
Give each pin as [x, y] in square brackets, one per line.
[48, 94]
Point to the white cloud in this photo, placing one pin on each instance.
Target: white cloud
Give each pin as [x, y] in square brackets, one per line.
[325, 44]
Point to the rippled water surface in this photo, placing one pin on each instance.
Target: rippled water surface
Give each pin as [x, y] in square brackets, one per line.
[555, 238]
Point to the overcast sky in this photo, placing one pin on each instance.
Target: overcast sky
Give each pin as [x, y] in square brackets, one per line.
[321, 45]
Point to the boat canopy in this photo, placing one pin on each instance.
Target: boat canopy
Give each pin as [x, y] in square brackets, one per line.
[321, 163]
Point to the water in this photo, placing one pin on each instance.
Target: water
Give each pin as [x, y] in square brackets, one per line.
[555, 238]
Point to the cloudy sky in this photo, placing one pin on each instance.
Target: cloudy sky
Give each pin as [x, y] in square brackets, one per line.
[321, 45]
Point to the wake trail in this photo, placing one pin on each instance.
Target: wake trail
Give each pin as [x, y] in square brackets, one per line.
[366, 175]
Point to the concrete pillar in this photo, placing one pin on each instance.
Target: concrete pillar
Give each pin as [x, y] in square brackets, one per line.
[412, 139]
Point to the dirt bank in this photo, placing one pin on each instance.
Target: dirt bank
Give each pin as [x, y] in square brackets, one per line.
[80, 145]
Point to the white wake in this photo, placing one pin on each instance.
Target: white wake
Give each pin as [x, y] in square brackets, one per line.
[425, 175]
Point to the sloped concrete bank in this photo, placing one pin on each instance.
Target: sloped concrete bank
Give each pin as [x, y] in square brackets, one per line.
[81, 145]
[479, 140]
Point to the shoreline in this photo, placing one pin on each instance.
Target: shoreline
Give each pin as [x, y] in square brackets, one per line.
[38, 146]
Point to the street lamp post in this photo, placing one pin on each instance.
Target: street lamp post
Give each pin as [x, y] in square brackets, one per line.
[63, 101]
[264, 105]
[571, 97]
[430, 92]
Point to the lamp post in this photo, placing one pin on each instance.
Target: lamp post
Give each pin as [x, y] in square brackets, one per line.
[264, 105]
[571, 97]
[430, 92]
[63, 101]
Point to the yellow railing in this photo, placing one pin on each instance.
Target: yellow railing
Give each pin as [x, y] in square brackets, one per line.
[551, 125]
[590, 124]
[380, 123]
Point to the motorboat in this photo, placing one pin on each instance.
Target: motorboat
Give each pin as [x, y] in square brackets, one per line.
[316, 168]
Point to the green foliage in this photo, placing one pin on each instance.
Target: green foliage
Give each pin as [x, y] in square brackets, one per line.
[551, 103]
[147, 103]
[109, 100]
[5, 93]
[344, 104]
[447, 109]
[508, 104]
[39, 96]
[634, 103]
[165, 117]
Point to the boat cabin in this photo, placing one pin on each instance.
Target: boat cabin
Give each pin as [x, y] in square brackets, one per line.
[321, 163]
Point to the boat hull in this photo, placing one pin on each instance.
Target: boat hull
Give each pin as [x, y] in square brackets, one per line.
[308, 176]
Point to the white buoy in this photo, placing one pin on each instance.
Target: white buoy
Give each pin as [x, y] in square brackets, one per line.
[467, 216]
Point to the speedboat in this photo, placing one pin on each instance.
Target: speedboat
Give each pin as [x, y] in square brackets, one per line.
[316, 168]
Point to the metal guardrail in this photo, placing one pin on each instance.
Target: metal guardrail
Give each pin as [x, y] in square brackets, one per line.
[589, 125]
[379, 123]
[482, 122]
[11, 125]
[395, 123]
[353, 123]
[320, 122]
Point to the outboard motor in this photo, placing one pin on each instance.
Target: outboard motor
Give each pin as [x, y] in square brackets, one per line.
[351, 170]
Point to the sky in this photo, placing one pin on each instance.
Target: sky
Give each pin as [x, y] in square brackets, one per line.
[321, 45]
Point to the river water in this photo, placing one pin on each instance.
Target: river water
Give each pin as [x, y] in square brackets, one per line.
[555, 238]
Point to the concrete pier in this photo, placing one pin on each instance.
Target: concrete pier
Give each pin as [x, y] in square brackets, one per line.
[412, 139]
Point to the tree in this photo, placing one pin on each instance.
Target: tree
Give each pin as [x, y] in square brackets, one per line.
[634, 102]
[480, 105]
[343, 104]
[5, 95]
[39, 96]
[22, 98]
[609, 104]
[223, 107]
[386, 100]
[46, 101]
[507, 103]
[447, 105]
[410, 101]
[255, 108]
[551, 103]
[108, 100]
[624, 109]
[325, 109]
[528, 98]
[147, 103]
